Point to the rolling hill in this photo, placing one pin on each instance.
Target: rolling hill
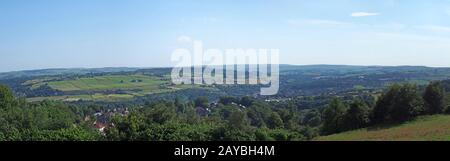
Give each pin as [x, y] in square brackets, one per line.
[426, 128]
[125, 84]
[63, 71]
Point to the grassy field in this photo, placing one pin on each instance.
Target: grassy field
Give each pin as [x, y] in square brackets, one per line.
[426, 128]
[132, 85]
[110, 82]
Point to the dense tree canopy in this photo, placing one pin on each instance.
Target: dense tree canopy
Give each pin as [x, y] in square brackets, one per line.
[6, 96]
[398, 104]
[434, 98]
[357, 116]
[41, 121]
[333, 117]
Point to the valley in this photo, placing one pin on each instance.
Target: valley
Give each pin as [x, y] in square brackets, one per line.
[104, 105]
[128, 84]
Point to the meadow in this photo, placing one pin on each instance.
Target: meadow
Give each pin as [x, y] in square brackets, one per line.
[426, 128]
[104, 88]
[109, 82]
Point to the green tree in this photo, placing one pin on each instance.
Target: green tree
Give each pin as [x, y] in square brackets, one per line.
[407, 104]
[255, 118]
[333, 117]
[275, 121]
[312, 119]
[161, 113]
[128, 128]
[399, 103]
[6, 96]
[383, 106]
[262, 134]
[237, 128]
[246, 101]
[238, 120]
[434, 98]
[357, 116]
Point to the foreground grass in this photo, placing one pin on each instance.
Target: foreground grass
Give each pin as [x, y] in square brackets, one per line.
[426, 128]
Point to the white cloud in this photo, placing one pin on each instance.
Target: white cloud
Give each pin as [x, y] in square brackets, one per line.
[363, 14]
[184, 39]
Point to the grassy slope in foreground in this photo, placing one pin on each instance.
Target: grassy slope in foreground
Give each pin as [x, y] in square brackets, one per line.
[426, 128]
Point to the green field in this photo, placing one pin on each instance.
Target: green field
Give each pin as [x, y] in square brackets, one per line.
[110, 82]
[426, 128]
[132, 85]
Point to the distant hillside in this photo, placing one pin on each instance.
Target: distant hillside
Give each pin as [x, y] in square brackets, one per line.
[310, 70]
[316, 82]
[62, 71]
[427, 128]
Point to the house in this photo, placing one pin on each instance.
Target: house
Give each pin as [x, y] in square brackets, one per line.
[100, 126]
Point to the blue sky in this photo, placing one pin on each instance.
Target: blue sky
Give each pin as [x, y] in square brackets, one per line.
[38, 34]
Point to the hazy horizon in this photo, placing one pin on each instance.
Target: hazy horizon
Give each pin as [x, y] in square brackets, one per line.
[47, 34]
[173, 66]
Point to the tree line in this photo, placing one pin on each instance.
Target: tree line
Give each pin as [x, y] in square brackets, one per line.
[398, 104]
[42, 121]
[231, 119]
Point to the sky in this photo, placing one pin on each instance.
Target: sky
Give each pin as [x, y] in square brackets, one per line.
[37, 34]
